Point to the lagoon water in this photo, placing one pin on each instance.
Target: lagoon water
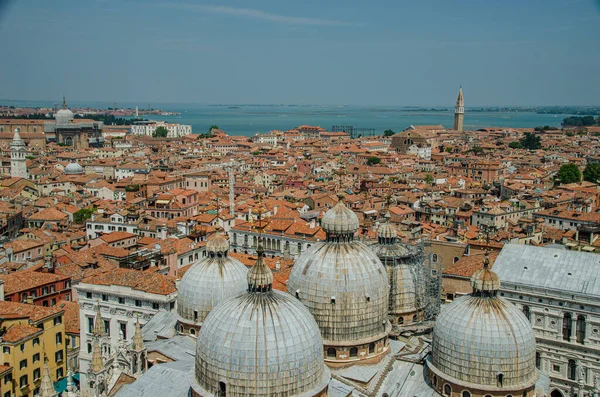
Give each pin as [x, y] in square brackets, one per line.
[250, 119]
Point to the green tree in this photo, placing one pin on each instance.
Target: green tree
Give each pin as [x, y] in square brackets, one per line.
[569, 173]
[576, 121]
[213, 127]
[388, 133]
[531, 141]
[160, 132]
[515, 145]
[449, 150]
[373, 160]
[477, 150]
[591, 173]
[428, 179]
[82, 215]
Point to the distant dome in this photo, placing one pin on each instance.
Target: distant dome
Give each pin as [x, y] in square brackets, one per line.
[483, 342]
[340, 219]
[73, 169]
[208, 283]
[263, 343]
[64, 115]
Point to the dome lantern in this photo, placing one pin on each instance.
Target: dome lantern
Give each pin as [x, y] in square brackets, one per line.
[260, 278]
[340, 223]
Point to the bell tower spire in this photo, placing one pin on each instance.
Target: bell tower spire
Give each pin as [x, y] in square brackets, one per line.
[459, 111]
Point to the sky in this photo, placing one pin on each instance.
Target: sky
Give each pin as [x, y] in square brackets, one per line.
[352, 52]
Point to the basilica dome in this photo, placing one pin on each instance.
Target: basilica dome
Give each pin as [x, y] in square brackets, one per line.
[345, 287]
[262, 343]
[483, 342]
[208, 283]
[73, 169]
[64, 115]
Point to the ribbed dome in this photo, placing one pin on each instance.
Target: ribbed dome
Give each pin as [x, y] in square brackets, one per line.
[208, 283]
[477, 338]
[73, 169]
[262, 343]
[340, 219]
[64, 116]
[217, 244]
[387, 231]
[345, 287]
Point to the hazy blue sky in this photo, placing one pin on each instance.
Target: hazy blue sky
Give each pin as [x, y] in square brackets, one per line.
[506, 52]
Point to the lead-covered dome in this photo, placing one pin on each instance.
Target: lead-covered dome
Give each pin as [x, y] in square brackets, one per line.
[340, 219]
[262, 343]
[64, 115]
[345, 287]
[482, 341]
[208, 283]
[73, 169]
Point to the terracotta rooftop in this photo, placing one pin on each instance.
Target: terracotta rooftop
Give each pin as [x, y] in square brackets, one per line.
[152, 283]
[27, 280]
[35, 313]
[18, 332]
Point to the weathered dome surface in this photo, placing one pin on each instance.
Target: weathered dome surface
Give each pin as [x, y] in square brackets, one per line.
[217, 243]
[477, 338]
[340, 219]
[73, 169]
[387, 231]
[262, 343]
[208, 283]
[345, 287]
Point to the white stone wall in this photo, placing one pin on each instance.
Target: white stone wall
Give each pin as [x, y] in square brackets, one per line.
[547, 309]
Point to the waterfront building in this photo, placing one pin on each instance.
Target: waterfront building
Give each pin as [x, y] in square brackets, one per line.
[67, 131]
[147, 128]
[459, 112]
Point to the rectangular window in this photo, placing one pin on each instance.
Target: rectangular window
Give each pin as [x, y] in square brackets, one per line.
[123, 329]
[58, 320]
[107, 327]
[52, 301]
[36, 341]
[36, 374]
[22, 347]
[23, 381]
[138, 303]
[6, 350]
[35, 358]
[121, 301]
[7, 378]
[58, 338]
[90, 321]
[59, 373]
[88, 295]
[23, 364]
[58, 356]
[104, 297]
[155, 306]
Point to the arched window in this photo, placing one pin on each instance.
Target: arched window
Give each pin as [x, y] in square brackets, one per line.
[456, 258]
[434, 258]
[556, 393]
[434, 381]
[89, 348]
[447, 390]
[353, 352]
[538, 360]
[400, 320]
[466, 393]
[414, 319]
[222, 392]
[580, 329]
[192, 331]
[571, 370]
[527, 312]
[500, 379]
[566, 329]
[371, 348]
[331, 353]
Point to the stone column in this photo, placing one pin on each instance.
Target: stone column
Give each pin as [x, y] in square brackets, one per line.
[588, 331]
[574, 328]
